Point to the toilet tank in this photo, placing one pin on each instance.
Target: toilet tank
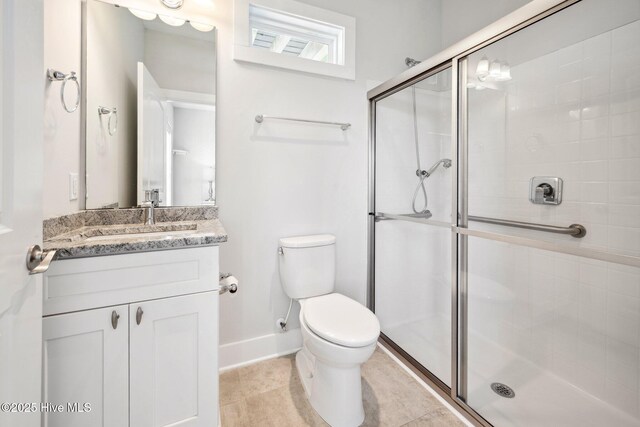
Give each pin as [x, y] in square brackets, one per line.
[308, 265]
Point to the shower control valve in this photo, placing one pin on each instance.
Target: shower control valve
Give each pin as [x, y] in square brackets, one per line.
[545, 190]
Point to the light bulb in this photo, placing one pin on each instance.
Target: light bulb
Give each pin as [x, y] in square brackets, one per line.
[143, 14]
[170, 20]
[482, 70]
[505, 72]
[172, 4]
[201, 27]
[494, 70]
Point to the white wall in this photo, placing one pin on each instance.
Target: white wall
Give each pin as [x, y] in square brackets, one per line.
[281, 179]
[461, 18]
[62, 148]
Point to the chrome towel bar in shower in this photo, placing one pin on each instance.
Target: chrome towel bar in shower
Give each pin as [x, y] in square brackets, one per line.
[59, 76]
[574, 230]
[344, 126]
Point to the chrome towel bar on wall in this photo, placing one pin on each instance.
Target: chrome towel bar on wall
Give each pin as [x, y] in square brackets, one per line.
[59, 76]
[344, 126]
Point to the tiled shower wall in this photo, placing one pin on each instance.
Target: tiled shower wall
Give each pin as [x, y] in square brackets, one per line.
[573, 113]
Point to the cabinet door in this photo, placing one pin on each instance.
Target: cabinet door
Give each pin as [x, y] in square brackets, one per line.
[174, 361]
[85, 360]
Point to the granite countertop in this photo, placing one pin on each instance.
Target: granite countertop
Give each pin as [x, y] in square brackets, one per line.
[118, 231]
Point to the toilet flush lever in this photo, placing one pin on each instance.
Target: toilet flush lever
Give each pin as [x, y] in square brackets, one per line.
[281, 250]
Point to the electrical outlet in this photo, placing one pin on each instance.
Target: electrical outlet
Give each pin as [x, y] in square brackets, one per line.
[73, 186]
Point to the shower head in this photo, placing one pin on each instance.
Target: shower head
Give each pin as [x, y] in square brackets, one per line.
[411, 62]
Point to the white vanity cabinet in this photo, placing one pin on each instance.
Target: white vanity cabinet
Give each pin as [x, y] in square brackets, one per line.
[145, 356]
[86, 360]
[173, 361]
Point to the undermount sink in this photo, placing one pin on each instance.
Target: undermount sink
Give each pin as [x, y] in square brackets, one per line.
[169, 234]
[133, 231]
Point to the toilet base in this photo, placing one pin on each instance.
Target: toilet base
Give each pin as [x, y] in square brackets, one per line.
[335, 392]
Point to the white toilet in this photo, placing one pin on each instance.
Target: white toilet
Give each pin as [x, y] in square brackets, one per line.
[338, 333]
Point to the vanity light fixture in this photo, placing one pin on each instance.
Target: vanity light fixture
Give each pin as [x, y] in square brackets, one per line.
[170, 20]
[492, 71]
[143, 14]
[172, 4]
[482, 70]
[201, 27]
[505, 72]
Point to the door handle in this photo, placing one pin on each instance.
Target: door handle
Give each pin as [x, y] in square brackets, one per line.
[139, 314]
[38, 261]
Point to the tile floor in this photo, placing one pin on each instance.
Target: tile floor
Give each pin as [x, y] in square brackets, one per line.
[269, 393]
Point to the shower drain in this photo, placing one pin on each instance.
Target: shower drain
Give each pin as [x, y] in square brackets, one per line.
[503, 390]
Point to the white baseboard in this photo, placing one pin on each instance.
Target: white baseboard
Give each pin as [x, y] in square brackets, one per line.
[242, 353]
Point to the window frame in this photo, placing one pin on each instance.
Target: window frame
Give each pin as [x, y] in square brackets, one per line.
[341, 42]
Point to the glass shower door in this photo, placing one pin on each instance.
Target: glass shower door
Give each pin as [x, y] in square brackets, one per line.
[413, 219]
[552, 321]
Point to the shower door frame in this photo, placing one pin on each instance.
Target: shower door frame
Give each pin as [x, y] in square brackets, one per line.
[455, 58]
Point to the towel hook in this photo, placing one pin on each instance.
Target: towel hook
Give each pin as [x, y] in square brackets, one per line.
[111, 112]
[56, 76]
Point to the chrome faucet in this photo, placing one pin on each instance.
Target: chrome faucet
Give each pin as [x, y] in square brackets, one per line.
[151, 201]
[149, 214]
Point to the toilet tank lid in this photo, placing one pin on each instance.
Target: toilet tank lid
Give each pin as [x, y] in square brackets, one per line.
[308, 241]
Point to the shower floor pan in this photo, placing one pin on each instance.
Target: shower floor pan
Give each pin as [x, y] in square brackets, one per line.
[541, 398]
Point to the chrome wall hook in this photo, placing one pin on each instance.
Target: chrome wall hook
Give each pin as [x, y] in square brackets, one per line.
[59, 76]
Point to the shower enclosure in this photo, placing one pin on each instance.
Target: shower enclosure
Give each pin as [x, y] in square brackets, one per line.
[504, 216]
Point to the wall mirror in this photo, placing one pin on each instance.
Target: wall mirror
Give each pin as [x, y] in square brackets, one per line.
[150, 91]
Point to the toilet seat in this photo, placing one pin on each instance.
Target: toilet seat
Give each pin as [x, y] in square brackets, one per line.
[341, 320]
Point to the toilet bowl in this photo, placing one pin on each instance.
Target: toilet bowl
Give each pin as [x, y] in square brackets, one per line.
[338, 333]
[330, 371]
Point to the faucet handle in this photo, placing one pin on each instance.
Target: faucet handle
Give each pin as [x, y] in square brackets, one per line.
[543, 193]
[152, 196]
[155, 197]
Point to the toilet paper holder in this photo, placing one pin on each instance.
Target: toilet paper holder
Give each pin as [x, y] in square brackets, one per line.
[227, 287]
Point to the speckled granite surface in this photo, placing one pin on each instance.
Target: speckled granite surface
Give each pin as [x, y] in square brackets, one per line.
[116, 231]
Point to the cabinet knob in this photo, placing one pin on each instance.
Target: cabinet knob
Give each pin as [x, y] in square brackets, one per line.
[139, 314]
[114, 319]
